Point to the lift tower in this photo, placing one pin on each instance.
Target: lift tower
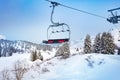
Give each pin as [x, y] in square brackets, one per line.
[115, 17]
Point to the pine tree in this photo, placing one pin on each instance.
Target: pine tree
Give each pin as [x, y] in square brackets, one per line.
[107, 43]
[110, 44]
[87, 44]
[36, 55]
[97, 44]
[33, 55]
[103, 43]
[63, 51]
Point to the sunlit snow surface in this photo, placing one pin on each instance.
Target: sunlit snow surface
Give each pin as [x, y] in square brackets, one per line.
[77, 67]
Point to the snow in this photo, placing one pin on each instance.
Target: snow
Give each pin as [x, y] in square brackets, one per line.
[78, 67]
[76, 45]
[2, 37]
[47, 54]
[116, 34]
[8, 62]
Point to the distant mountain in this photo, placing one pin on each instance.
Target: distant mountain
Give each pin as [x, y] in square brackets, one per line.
[7, 47]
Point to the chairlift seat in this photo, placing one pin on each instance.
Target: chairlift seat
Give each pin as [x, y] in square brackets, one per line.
[54, 41]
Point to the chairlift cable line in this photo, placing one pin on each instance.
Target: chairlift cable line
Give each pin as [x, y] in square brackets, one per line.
[57, 24]
[56, 3]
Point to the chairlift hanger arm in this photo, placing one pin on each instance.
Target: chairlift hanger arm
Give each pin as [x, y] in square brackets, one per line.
[51, 18]
[54, 4]
[55, 24]
[111, 13]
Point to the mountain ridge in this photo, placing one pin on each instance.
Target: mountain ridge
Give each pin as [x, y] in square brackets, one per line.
[8, 47]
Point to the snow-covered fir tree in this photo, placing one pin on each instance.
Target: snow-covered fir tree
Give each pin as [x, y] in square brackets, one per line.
[63, 51]
[107, 43]
[97, 44]
[87, 44]
[33, 55]
[103, 43]
[110, 46]
[36, 55]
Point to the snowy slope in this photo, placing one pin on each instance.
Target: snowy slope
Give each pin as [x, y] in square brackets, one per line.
[77, 67]
[74, 45]
[98, 67]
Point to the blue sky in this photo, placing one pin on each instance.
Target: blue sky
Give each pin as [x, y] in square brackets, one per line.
[29, 19]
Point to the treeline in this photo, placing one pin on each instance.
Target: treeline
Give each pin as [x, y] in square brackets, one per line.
[103, 43]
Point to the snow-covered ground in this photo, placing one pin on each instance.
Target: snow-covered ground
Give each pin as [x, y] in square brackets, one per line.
[77, 67]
